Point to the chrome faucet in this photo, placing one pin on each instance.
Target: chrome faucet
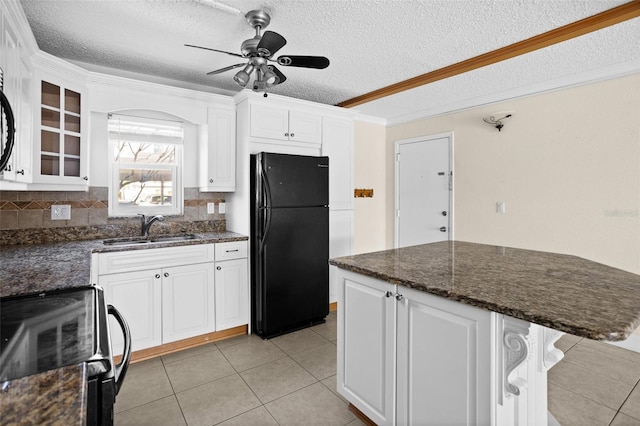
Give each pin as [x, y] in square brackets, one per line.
[147, 222]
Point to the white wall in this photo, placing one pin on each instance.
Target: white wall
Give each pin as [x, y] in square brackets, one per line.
[567, 165]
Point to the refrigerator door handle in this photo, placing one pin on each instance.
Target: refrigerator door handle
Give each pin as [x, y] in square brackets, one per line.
[266, 225]
[265, 208]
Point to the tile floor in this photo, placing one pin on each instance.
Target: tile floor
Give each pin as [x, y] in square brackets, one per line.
[290, 380]
[595, 384]
[245, 380]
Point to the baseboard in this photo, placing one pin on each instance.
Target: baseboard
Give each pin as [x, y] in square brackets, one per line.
[333, 306]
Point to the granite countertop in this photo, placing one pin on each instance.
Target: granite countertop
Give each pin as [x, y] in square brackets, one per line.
[562, 292]
[52, 397]
[34, 268]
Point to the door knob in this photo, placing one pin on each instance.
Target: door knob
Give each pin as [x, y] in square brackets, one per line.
[444, 213]
[443, 229]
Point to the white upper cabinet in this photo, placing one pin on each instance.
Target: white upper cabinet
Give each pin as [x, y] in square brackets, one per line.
[60, 143]
[217, 151]
[17, 87]
[283, 124]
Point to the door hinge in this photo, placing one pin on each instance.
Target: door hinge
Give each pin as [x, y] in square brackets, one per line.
[397, 157]
[450, 181]
[397, 212]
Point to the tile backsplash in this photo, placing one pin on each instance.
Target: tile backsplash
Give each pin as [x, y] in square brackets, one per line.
[25, 216]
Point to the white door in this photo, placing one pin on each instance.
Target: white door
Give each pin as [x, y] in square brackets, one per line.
[423, 190]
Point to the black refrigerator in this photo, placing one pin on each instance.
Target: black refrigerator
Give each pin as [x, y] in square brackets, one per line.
[289, 242]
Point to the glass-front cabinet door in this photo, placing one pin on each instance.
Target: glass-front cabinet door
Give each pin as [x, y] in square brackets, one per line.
[60, 132]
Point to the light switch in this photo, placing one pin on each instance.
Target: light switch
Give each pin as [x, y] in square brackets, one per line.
[500, 207]
[211, 208]
[61, 212]
[222, 208]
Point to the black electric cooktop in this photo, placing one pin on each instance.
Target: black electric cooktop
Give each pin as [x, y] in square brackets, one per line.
[47, 331]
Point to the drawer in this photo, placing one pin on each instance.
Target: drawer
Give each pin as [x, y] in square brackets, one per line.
[138, 260]
[231, 250]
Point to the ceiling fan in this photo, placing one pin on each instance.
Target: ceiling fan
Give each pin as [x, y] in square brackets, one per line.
[259, 51]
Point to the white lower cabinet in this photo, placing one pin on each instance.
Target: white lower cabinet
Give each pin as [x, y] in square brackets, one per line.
[170, 294]
[407, 357]
[188, 301]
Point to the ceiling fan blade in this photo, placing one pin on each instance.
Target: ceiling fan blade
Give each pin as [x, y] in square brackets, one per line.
[270, 43]
[225, 69]
[318, 62]
[215, 50]
[282, 77]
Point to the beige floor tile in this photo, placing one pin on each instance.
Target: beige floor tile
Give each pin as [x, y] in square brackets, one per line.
[197, 370]
[319, 361]
[566, 342]
[332, 385]
[619, 353]
[571, 409]
[142, 365]
[276, 379]
[256, 417]
[252, 353]
[217, 401]
[143, 386]
[356, 422]
[595, 386]
[624, 420]
[328, 329]
[631, 406]
[165, 412]
[187, 353]
[604, 363]
[313, 405]
[299, 341]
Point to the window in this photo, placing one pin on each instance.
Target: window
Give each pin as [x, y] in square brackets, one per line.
[145, 166]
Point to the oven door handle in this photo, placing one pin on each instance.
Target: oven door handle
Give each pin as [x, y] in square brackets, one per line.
[121, 369]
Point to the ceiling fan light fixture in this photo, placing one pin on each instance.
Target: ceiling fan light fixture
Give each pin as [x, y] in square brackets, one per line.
[269, 77]
[242, 77]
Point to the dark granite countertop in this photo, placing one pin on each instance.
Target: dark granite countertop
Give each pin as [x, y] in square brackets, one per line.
[562, 292]
[55, 397]
[34, 268]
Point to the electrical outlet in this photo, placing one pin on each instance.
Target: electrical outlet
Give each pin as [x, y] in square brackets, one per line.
[61, 212]
[222, 208]
[211, 208]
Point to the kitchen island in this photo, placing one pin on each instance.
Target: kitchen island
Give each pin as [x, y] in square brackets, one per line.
[463, 333]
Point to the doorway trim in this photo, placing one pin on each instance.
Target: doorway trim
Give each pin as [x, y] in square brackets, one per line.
[426, 138]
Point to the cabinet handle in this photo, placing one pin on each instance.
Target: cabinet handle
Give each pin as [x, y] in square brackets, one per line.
[157, 275]
[166, 274]
[219, 268]
[388, 294]
[399, 296]
[20, 172]
[231, 251]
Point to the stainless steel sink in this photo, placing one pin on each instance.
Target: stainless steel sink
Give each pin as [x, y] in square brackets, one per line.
[148, 240]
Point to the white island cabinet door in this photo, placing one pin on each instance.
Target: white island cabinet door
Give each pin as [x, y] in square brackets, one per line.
[444, 361]
[138, 297]
[187, 301]
[366, 342]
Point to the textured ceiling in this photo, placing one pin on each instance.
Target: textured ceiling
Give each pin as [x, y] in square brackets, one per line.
[371, 44]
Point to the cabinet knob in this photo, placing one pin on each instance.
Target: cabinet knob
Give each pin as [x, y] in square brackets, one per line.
[219, 268]
[8, 168]
[210, 180]
[443, 229]
[157, 276]
[20, 172]
[399, 296]
[286, 134]
[86, 178]
[444, 213]
[388, 294]
[166, 274]
[292, 135]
